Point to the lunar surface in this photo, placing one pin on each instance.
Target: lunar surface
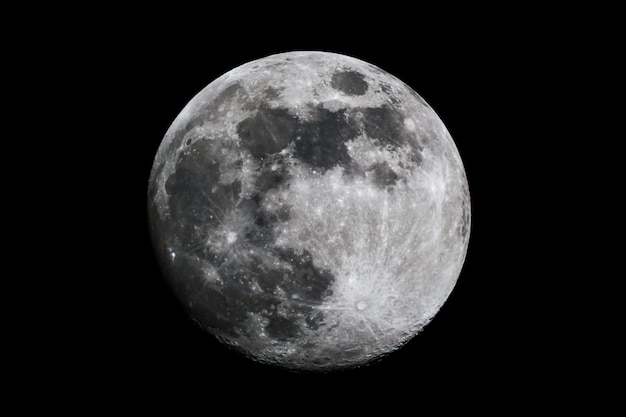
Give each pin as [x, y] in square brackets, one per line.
[310, 210]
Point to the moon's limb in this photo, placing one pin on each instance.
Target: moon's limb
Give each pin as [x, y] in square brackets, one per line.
[310, 209]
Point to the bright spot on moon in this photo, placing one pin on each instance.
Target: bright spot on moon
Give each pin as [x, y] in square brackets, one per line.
[231, 237]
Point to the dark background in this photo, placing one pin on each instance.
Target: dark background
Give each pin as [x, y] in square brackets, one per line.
[505, 335]
[481, 335]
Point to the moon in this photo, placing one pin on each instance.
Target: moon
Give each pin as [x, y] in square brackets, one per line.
[309, 210]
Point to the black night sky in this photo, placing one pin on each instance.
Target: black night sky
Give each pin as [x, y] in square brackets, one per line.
[477, 333]
[497, 338]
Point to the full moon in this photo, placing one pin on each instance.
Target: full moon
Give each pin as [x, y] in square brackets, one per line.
[309, 210]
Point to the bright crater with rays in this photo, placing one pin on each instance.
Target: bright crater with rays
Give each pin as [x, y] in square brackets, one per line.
[310, 210]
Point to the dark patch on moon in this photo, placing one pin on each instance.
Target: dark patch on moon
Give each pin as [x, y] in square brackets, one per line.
[195, 196]
[247, 282]
[387, 126]
[321, 142]
[261, 230]
[282, 328]
[304, 279]
[273, 173]
[383, 124]
[301, 280]
[268, 131]
[465, 219]
[220, 308]
[303, 286]
[351, 83]
[297, 286]
[382, 174]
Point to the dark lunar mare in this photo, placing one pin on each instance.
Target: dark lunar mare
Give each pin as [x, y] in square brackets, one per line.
[386, 125]
[349, 82]
[268, 131]
[321, 142]
[382, 175]
[464, 224]
[297, 284]
[199, 206]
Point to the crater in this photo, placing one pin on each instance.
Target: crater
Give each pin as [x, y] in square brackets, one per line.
[386, 88]
[351, 83]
